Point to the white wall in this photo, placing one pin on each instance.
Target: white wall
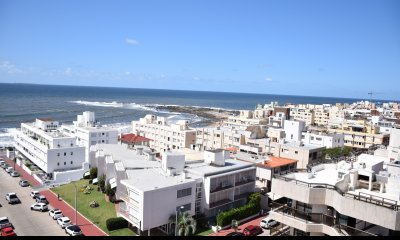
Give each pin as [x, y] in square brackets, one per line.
[293, 130]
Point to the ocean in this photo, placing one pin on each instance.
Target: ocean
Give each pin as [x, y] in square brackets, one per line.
[119, 106]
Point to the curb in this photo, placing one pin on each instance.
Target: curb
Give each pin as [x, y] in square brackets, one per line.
[81, 214]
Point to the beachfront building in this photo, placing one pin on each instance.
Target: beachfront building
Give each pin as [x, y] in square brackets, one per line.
[244, 120]
[153, 191]
[165, 136]
[42, 143]
[343, 199]
[89, 132]
[359, 133]
[278, 117]
[302, 114]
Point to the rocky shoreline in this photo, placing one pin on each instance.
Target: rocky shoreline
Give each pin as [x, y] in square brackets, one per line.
[210, 115]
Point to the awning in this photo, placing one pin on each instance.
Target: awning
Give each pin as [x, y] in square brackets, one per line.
[274, 196]
[113, 183]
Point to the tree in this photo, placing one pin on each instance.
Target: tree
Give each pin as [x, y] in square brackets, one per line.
[93, 173]
[102, 182]
[187, 225]
[109, 191]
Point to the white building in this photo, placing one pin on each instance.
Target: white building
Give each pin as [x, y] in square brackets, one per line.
[56, 154]
[88, 132]
[165, 136]
[293, 130]
[330, 140]
[153, 190]
[394, 144]
[343, 199]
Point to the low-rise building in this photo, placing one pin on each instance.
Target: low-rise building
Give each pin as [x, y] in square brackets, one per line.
[330, 140]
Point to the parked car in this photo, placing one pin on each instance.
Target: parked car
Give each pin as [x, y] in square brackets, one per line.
[14, 174]
[39, 207]
[5, 165]
[73, 230]
[268, 223]
[64, 222]
[34, 194]
[9, 169]
[41, 199]
[23, 183]
[7, 232]
[2, 163]
[5, 223]
[12, 198]
[252, 230]
[235, 234]
[55, 213]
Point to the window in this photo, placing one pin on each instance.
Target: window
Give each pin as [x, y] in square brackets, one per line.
[72, 153]
[58, 164]
[102, 134]
[65, 163]
[72, 162]
[296, 152]
[186, 207]
[65, 154]
[184, 192]
[58, 154]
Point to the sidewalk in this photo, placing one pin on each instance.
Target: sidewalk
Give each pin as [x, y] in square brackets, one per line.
[256, 221]
[88, 228]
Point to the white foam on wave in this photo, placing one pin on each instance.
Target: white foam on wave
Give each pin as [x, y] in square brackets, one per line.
[7, 136]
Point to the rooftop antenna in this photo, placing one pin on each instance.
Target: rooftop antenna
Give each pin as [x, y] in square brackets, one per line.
[371, 93]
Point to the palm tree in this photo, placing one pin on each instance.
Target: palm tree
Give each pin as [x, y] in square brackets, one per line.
[186, 224]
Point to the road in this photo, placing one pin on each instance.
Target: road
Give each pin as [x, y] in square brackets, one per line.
[25, 221]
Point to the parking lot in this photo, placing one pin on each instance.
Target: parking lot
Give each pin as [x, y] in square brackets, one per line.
[25, 221]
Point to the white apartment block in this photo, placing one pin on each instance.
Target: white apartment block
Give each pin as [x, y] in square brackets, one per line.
[331, 140]
[165, 136]
[55, 153]
[153, 190]
[244, 120]
[343, 199]
[293, 130]
[88, 132]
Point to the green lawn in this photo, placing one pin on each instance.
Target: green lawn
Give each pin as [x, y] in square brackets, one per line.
[97, 215]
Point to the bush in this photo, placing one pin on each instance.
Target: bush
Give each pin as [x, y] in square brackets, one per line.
[251, 208]
[116, 223]
[102, 183]
[109, 191]
[93, 172]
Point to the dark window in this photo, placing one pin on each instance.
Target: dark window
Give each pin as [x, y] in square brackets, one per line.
[72, 153]
[65, 163]
[72, 162]
[186, 207]
[65, 154]
[58, 154]
[184, 192]
[58, 164]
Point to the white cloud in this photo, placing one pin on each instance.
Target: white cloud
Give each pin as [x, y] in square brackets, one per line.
[68, 71]
[9, 68]
[131, 41]
[268, 79]
[127, 73]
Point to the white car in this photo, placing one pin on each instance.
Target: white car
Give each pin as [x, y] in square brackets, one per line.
[73, 230]
[39, 207]
[9, 169]
[34, 194]
[55, 213]
[268, 223]
[64, 222]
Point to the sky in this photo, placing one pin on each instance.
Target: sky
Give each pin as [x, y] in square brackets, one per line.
[331, 48]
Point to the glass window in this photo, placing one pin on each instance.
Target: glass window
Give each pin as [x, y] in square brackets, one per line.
[184, 192]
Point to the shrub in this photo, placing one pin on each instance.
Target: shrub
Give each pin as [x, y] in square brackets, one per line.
[116, 223]
[109, 191]
[102, 182]
[93, 172]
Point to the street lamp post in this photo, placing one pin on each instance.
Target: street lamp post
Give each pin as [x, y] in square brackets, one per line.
[178, 210]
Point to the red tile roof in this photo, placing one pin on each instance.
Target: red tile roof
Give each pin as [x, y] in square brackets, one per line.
[132, 138]
[274, 162]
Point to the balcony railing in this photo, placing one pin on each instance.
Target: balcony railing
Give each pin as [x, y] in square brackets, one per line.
[219, 203]
[318, 218]
[244, 182]
[376, 200]
[221, 188]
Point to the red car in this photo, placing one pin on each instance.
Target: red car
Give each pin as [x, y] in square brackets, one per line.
[252, 230]
[7, 232]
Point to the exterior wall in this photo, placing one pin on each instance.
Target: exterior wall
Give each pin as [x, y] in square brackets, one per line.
[293, 130]
[331, 141]
[394, 144]
[302, 114]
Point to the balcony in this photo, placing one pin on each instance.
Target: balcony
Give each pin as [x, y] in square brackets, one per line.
[221, 188]
[241, 196]
[219, 203]
[122, 211]
[124, 197]
[313, 222]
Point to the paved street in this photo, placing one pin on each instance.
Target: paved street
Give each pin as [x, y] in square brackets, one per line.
[25, 221]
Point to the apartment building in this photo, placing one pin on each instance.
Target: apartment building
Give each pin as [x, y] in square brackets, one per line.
[359, 133]
[270, 166]
[55, 153]
[293, 130]
[394, 145]
[165, 136]
[153, 191]
[303, 114]
[244, 120]
[328, 140]
[343, 199]
[218, 137]
[89, 132]
[277, 119]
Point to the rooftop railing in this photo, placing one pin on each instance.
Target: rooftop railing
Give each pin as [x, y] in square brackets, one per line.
[365, 197]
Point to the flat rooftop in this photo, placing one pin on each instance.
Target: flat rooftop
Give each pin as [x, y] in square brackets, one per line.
[306, 146]
[201, 169]
[52, 133]
[154, 178]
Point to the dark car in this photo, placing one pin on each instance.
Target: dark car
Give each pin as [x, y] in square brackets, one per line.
[252, 230]
[235, 234]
